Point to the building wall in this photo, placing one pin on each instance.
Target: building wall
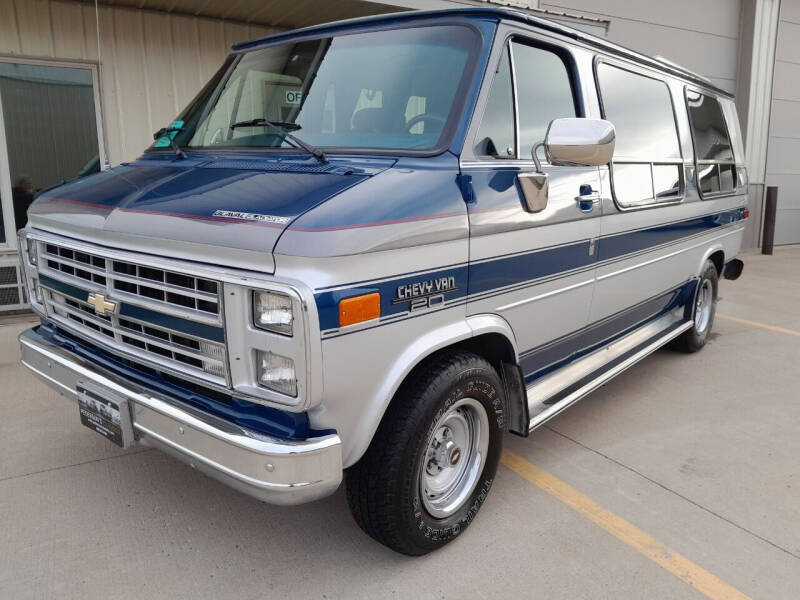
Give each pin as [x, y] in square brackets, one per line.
[702, 36]
[783, 168]
[152, 63]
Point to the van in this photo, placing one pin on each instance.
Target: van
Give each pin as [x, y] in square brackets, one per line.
[367, 250]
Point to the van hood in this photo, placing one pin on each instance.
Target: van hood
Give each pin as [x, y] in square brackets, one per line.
[217, 209]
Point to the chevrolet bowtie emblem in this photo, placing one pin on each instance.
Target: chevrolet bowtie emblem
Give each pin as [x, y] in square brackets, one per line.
[102, 306]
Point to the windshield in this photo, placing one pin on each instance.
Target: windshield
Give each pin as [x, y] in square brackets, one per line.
[385, 90]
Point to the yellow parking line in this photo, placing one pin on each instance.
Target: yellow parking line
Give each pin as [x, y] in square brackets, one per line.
[774, 328]
[678, 565]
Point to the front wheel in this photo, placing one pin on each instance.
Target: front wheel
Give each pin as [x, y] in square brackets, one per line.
[434, 457]
[703, 311]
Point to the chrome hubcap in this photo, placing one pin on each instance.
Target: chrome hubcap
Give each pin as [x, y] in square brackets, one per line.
[454, 457]
[703, 306]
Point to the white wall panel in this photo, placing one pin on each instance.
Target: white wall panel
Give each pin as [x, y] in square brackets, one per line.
[701, 36]
[783, 167]
[152, 64]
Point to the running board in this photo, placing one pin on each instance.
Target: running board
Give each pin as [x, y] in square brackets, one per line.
[554, 393]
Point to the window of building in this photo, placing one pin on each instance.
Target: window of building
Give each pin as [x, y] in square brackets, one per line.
[716, 169]
[48, 134]
[647, 164]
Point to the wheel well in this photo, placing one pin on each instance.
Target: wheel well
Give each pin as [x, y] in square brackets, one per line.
[718, 258]
[499, 351]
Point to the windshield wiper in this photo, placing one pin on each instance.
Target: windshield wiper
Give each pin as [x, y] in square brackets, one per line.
[283, 130]
[165, 131]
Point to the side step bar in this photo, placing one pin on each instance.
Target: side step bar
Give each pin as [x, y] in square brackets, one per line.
[554, 393]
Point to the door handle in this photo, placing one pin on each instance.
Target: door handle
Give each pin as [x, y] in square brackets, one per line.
[587, 198]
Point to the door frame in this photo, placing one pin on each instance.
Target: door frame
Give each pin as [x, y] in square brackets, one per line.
[7, 206]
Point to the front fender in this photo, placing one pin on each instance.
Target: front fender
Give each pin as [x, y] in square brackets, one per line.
[358, 393]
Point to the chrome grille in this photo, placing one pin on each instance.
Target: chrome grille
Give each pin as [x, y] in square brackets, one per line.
[161, 292]
[188, 293]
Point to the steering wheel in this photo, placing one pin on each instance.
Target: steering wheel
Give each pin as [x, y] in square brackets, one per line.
[422, 118]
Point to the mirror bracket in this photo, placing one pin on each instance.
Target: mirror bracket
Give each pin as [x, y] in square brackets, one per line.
[535, 186]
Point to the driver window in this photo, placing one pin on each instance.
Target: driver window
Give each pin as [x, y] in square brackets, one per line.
[496, 133]
[544, 93]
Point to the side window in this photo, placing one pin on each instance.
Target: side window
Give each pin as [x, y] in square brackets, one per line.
[496, 134]
[716, 169]
[544, 93]
[647, 164]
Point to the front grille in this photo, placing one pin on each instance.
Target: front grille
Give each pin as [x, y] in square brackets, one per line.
[185, 292]
[151, 299]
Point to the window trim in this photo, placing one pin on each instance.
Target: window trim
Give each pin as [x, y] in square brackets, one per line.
[704, 162]
[679, 162]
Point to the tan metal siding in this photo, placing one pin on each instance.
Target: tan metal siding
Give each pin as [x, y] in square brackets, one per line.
[152, 63]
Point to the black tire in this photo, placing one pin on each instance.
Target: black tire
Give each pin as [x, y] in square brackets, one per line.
[384, 487]
[695, 338]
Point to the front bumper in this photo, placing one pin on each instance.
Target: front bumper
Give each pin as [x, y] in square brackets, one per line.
[274, 470]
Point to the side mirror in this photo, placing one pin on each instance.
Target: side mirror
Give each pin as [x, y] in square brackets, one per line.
[579, 142]
[574, 142]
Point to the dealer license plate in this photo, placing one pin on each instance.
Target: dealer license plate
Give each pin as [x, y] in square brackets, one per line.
[104, 412]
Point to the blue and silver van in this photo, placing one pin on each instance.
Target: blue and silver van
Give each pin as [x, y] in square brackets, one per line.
[367, 250]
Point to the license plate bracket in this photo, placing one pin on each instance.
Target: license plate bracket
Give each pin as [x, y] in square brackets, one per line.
[105, 412]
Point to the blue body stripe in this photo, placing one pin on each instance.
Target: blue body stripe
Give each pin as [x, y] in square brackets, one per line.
[549, 357]
[502, 272]
[617, 245]
[328, 301]
[505, 271]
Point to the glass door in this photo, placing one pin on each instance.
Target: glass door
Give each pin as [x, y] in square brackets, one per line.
[49, 133]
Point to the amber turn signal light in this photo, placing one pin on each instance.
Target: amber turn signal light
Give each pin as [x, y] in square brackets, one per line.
[359, 309]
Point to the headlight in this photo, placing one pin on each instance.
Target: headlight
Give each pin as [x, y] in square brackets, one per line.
[273, 312]
[276, 372]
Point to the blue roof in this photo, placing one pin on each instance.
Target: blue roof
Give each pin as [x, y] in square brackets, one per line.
[496, 14]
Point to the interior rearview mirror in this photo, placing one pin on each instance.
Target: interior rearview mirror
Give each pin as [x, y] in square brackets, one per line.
[573, 142]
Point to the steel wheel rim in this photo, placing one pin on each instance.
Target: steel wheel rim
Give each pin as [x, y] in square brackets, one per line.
[703, 305]
[455, 454]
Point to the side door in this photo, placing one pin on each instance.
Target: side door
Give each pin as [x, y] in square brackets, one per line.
[651, 226]
[534, 269]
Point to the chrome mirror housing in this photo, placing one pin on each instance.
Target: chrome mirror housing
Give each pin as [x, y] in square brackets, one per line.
[579, 142]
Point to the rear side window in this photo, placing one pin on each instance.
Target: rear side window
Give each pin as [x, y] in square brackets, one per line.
[647, 164]
[716, 169]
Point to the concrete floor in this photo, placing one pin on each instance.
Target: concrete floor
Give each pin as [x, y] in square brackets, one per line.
[701, 452]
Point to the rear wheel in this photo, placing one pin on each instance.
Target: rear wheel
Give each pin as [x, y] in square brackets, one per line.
[433, 459]
[703, 310]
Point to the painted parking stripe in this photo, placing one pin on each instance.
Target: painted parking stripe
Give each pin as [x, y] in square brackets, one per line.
[774, 328]
[680, 566]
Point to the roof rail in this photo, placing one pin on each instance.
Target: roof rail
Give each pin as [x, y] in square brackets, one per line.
[675, 65]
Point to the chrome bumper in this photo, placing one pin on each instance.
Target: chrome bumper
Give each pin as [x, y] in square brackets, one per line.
[274, 470]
